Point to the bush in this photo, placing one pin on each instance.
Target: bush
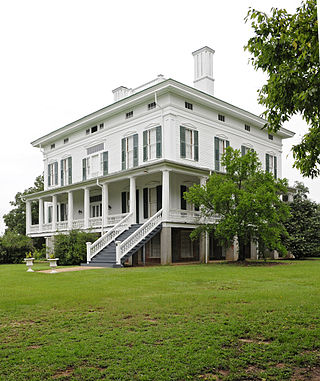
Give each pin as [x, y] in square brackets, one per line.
[14, 246]
[71, 248]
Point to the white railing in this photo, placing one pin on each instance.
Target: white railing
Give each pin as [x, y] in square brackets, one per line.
[180, 215]
[108, 237]
[113, 219]
[47, 227]
[33, 228]
[95, 222]
[122, 248]
[77, 224]
[62, 225]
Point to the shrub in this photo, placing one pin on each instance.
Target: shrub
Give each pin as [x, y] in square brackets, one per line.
[14, 246]
[71, 248]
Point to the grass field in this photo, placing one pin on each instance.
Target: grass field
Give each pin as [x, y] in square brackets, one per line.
[196, 322]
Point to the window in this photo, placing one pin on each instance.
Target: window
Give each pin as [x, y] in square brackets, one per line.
[53, 146]
[151, 105]
[245, 149]
[129, 114]
[95, 206]
[95, 165]
[88, 131]
[270, 137]
[189, 144]
[66, 171]
[101, 126]
[221, 118]
[271, 165]
[247, 127]
[66, 140]
[49, 214]
[188, 105]
[94, 129]
[53, 174]
[152, 144]
[129, 152]
[220, 146]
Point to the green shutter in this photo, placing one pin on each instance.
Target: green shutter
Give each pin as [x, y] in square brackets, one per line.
[145, 145]
[123, 202]
[183, 202]
[182, 142]
[243, 150]
[135, 150]
[105, 163]
[69, 170]
[123, 153]
[84, 169]
[56, 173]
[267, 163]
[275, 167]
[227, 143]
[158, 142]
[61, 173]
[216, 154]
[145, 203]
[196, 145]
[49, 177]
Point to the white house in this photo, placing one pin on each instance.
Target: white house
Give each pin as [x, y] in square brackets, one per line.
[122, 170]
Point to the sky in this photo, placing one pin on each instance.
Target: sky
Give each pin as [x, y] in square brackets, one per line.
[61, 59]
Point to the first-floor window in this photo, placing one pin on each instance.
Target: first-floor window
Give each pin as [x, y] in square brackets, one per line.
[271, 164]
[66, 171]
[129, 152]
[245, 150]
[96, 210]
[220, 146]
[53, 174]
[189, 144]
[152, 143]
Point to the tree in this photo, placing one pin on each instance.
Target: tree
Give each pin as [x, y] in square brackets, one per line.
[13, 247]
[303, 225]
[286, 47]
[247, 201]
[16, 218]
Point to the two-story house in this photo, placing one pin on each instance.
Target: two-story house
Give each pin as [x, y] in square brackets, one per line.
[122, 170]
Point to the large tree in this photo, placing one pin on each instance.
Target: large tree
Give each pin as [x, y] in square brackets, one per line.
[16, 218]
[286, 47]
[247, 201]
[303, 225]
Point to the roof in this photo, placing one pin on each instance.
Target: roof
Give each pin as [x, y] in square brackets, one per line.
[159, 88]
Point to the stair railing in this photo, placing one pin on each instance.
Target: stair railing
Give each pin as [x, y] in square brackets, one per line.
[102, 242]
[122, 248]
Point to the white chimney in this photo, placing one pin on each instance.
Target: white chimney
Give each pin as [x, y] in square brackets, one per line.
[121, 92]
[203, 70]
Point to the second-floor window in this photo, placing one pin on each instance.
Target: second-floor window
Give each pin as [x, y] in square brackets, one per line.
[95, 165]
[220, 146]
[245, 150]
[66, 171]
[271, 164]
[53, 174]
[189, 144]
[152, 146]
[129, 152]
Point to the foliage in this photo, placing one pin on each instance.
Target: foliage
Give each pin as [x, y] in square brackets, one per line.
[13, 247]
[247, 202]
[195, 322]
[16, 218]
[304, 225]
[286, 47]
[71, 248]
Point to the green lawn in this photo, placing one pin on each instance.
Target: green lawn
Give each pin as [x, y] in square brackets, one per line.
[196, 322]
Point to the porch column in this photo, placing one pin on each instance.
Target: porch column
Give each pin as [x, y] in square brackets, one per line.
[203, 180]
[54, 212]
[86, 207]
[133, 198]
[166, 245]
[40, 214]
[165, 194]
[70, 210]
[28, 216]
[105, 204]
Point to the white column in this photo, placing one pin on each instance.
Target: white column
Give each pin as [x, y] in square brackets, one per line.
[86, 207]
[54, 212]
[40, 214]
[203, 180]
[70, 210]
[133, 198]
[165, 194]
[28, 216]
[105, 204]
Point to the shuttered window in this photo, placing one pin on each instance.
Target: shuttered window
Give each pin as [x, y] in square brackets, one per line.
[152, 144]
[271, 165]
[66, 171]
[129, 152]
[220, 146]
[189, 144]
[245, 149]
[53, 174]
[95, 165]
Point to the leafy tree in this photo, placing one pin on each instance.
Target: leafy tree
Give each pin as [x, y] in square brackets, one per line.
[247, 201]
[16, 218]
[13, 247]
[286, 47]
[303, 225]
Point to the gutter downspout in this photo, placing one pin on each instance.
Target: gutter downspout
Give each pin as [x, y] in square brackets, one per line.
[102, 207]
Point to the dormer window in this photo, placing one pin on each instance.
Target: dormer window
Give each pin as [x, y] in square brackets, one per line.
[129, 114]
